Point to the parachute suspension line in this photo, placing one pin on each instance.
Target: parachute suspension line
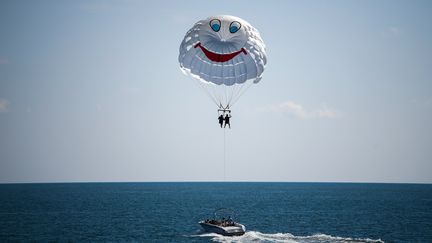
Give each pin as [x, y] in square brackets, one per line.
[233, 91]
[212, 92]
[239, 91]
[211, 89]
[242, 93]
[226, 95]
[235, 85]
[236, 95]
[217, 93]
[200, 84]
[224, 87]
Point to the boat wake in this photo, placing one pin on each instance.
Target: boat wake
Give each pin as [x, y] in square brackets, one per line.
[255, 236]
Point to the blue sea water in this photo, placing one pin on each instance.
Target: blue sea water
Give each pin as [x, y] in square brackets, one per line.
[169, 212]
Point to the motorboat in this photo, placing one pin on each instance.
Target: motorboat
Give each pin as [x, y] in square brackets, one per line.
[223, 225]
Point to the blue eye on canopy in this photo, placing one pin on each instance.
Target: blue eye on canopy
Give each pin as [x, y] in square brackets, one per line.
[215, 24]
[234, 27]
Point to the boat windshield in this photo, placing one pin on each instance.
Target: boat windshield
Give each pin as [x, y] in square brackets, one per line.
[222, 217]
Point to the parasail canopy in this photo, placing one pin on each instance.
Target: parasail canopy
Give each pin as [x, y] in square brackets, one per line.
[226, 55]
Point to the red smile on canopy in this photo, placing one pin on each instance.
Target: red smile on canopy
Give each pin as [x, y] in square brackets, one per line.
[215, 57]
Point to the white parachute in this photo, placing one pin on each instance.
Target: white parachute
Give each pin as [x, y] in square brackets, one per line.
[226, 55]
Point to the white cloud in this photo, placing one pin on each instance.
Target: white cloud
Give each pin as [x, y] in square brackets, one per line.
[298, 111]
[4, 105]
[294, 109]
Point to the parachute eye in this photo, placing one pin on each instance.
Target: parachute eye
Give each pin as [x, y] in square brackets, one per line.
[215, 24]
[234, 27]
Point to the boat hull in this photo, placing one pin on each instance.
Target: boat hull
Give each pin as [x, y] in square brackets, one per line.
[236, 230]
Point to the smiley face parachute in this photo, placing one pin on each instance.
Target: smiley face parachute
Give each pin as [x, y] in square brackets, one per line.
[226, 55]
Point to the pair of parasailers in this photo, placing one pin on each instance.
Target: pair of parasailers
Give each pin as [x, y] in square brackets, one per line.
[225, 120]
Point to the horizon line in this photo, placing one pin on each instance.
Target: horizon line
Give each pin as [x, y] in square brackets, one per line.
[215, 181]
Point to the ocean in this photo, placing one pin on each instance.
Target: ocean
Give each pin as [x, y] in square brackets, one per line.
[169, 212]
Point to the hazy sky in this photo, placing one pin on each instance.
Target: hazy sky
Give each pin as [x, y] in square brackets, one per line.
[92, 91]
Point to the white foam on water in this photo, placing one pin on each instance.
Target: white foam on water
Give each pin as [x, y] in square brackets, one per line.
[255, 236]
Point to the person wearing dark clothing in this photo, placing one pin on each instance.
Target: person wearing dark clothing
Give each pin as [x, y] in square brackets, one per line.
[227, 120]
[221, 120]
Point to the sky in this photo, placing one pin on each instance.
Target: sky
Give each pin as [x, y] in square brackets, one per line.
[92, 91]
